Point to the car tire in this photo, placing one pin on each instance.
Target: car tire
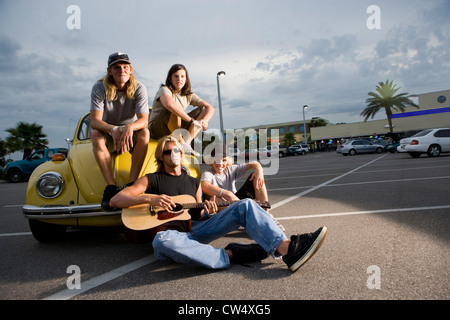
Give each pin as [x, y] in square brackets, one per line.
[379, 150]
[46, 232]
[15, 175]
[351, 152]
[434, 150]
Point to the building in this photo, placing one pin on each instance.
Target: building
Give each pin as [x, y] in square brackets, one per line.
[433, 112]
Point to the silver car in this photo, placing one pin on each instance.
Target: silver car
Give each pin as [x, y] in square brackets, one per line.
[353, 147]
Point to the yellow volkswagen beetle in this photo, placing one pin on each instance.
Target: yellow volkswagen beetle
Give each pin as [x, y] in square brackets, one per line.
[67, 191]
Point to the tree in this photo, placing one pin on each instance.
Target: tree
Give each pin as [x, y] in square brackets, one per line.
[288, 139]
[317, 123]
[385, 98]
[3, 153]
[26, 137]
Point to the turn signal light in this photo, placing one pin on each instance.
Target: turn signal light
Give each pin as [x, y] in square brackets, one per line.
[58, 157]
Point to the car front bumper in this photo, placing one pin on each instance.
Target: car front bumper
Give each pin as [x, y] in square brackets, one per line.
[66, 212]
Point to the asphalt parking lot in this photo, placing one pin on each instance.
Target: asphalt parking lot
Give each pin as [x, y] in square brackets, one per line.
[388, 222]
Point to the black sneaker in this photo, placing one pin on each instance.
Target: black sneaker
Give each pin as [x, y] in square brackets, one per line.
[110, 191]
[245, 253]
[303, 247]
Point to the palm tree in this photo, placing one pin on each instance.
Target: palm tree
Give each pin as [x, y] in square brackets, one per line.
[26, 137]
[385, 98]
[288, 139]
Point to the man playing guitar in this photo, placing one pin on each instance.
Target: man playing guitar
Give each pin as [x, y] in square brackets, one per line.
[157, 189]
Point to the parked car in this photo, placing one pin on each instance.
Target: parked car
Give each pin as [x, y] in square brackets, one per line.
[20, 170]
[293, 151]
[234, 153]
[256, 154]
[280, 149]
[67, 191]
[379, 141]
[392, 148]
[355, 146]
[433, 142]
[301, 148]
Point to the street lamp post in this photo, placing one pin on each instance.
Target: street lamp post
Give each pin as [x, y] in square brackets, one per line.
[220, 73]
[304, 123]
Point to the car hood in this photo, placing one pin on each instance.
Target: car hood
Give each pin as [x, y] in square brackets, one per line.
[89, 178]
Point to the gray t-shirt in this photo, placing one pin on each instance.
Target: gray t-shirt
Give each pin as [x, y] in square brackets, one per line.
[228, 179]
[122, 110]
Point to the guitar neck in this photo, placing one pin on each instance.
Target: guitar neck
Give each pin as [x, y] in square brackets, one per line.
[221, 203]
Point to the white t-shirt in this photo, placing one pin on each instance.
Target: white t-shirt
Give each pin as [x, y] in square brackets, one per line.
[228, 179]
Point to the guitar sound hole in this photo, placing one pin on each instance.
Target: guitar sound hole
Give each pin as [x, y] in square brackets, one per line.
[178, 207]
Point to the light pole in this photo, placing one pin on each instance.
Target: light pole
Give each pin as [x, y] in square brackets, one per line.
[304, 123]
[220, 73]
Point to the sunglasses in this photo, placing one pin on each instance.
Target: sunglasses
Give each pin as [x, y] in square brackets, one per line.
[169, 151]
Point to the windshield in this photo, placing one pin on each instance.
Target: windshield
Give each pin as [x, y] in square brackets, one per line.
[422, 133]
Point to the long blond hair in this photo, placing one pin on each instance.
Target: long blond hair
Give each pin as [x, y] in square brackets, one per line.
[160, 148]
[111, 88]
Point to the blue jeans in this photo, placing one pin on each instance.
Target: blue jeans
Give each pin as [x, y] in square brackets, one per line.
[192, 247]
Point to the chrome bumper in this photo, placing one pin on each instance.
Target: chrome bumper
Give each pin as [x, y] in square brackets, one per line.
[64, 212]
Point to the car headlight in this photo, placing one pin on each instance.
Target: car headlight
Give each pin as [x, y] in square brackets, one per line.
[50, 185]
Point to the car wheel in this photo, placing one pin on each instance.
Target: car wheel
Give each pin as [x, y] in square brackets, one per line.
[280, 154]
[352, 152]
[46, 232]
[379, 150]
[15, 175]
[434, 150]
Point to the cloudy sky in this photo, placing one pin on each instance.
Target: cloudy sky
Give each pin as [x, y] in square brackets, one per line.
[277, 55]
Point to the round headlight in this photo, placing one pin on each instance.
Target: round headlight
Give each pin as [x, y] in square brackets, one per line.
[50, 185]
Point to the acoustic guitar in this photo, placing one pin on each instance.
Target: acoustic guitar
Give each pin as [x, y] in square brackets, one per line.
[144, 216]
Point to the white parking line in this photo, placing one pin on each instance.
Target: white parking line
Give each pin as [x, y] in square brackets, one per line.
[338, 214]
[301, 194]
[101, 279]
[15, 234]
[363, 182]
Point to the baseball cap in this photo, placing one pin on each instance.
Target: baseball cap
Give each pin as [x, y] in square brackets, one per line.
[117, 57]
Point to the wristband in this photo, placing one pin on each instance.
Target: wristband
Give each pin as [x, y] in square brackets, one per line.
[111, 131]
[220, 193]
[192, 120]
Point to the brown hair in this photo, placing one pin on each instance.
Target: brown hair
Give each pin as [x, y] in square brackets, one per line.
[186, 90]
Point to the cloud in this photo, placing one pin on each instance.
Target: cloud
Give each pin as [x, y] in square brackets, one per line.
[278, 56]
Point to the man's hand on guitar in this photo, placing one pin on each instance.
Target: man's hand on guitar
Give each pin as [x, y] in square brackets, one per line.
[162, 201]
[210, 206]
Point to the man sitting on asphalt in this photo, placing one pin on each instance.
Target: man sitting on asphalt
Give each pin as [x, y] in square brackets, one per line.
[192, 247]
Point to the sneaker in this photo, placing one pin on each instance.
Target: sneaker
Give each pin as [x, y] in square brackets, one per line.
[110, 191]
[245, 253]
[303, 247]
[187, 149]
